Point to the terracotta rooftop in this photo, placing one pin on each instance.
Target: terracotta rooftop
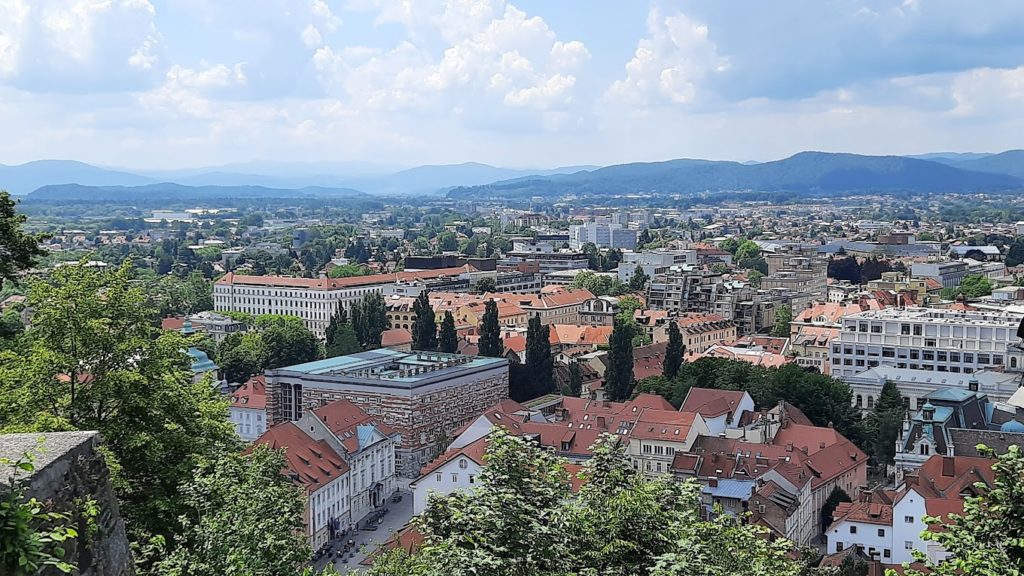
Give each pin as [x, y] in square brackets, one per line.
[251, 395]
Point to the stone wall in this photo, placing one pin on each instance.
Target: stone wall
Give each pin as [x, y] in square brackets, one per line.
[69, 468]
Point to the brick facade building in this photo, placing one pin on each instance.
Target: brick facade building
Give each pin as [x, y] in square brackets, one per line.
[424, 396]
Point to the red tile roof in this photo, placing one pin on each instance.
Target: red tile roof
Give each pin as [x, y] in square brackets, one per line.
[709, 402]
[395, 337]
[312, 464]
[340, 283]
[251, 395]
[342, 417]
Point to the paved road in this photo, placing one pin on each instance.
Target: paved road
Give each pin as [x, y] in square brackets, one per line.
[367, 541]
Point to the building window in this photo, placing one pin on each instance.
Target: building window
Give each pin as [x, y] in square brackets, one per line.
[839, 546]
[455, 478]
[472, 478]
[908, 519]
[463, 464]
[760, 510]
[853, 529]
[908, 545]
[437, 477]
[881, 532]
[887, 553]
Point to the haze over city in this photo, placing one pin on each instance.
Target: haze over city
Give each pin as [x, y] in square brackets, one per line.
[511, 288]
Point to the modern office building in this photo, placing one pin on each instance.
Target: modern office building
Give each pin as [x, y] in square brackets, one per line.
[961, 342]
[424, 396]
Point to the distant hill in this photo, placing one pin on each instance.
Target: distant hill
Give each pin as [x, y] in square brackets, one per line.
[1010, 162]
[169, 192]
[806, 172]
[951, 158]
[369, 177]
[24, 178]
[433, 178]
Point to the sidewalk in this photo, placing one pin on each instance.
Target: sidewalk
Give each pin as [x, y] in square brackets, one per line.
[399, 514]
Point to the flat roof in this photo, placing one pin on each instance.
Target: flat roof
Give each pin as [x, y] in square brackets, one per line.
[391, 366]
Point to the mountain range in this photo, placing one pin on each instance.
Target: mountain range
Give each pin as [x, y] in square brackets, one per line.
[805, 172]
[366, 177]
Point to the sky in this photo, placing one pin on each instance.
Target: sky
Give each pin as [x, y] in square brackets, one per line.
[525, 83]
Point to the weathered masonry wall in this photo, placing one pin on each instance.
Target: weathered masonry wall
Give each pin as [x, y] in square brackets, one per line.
[68, 467]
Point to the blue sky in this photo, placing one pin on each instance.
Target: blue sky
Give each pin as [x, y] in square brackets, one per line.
[534, 83]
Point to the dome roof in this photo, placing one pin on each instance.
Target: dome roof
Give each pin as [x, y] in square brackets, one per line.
[1012, 426]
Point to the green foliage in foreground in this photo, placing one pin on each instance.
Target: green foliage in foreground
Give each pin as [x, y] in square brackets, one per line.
[988, 538]
[522, 520]
[31, 537]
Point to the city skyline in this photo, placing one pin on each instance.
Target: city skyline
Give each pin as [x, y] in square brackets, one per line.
[139, 84]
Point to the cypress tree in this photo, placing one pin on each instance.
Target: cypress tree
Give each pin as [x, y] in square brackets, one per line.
[538, 357]
[673, 352]
[490, 332]
[424, 327]
[449, 340]
[618, 378]
[341, 336]
[575, 387]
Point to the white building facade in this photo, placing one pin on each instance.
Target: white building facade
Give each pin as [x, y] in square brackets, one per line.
[935, 340]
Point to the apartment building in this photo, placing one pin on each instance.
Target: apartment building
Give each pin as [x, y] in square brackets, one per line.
[424, 396]
[655, 262]
[949, 274]
[314, 300]
[927, 339]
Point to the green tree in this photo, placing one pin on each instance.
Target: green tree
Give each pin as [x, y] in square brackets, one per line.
[96, 361]
[369, 317]
[340, 336]
[449, 338]
[747, 250]
[18, 249]
[348, 271]
[975, 285]
[520, 521]
[638, 281]
[618, 378]
[240, 356]
[485, 285]
[490, 343]
[674, 351]
[988, 538]
[730, 245]
[783, 316]
[539, 362]
[241, 516]
[835, 497]
[286, 341]
[574, 382]
[424, 327]
[883, 424]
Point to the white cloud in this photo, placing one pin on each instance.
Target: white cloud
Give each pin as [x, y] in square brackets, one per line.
[495, 55]
[670, 64]
[989, 92]
[73, 45]
[187, 91]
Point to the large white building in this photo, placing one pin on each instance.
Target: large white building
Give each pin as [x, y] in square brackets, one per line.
[313, 299]
[932, 340]
[602, 235]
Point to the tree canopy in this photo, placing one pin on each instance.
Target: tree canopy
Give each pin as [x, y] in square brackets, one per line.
[490, 343]
[520, 521]
[18, 249]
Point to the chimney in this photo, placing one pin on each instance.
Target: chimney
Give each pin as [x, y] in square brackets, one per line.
[948, 466]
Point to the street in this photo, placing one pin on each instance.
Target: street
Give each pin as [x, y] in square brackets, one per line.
[366, 541]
